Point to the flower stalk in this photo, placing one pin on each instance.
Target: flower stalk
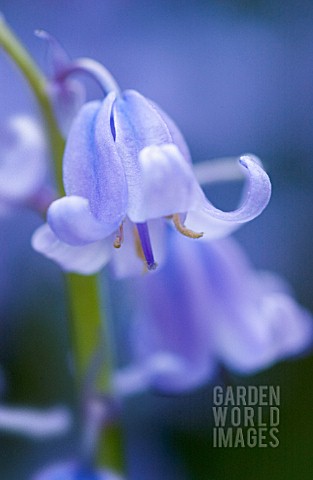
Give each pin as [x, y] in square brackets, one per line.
[87, 314]
[37, 82]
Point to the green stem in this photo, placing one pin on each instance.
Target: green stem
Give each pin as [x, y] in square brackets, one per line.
[89, 326]
[87, 317]
[90, 332]
[37, 82]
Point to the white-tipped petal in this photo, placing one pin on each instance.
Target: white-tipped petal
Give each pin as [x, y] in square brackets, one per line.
[168, 183]
[72, 221]
[83, 259]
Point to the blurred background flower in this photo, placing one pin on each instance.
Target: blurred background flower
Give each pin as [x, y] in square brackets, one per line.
[206, 308]
[236, 76]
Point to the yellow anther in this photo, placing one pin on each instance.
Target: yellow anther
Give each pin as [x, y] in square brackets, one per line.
[184, 230]
[119, 237]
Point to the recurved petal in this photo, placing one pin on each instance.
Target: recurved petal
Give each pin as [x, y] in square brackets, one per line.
[92, 168]
[85, 259]
[58, 56]
[168, 184]
[215, 223]
[72, 221]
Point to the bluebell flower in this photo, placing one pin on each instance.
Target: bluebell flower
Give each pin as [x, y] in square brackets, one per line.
[209, 307]
[74, 471]
[126, 161]
[23, 165]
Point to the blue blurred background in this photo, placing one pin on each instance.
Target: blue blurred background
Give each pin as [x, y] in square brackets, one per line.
[237, 76]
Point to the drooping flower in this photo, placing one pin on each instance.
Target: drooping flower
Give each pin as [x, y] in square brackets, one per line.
[74, 471]
[23, 165]
[125, 159]
[207, 307]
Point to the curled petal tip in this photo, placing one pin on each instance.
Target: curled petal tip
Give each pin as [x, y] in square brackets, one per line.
[59, 57]
[259, 189]
[217, 223]
[248, 157]
[243, 162]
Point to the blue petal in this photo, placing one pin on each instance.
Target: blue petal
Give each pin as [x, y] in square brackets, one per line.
[135, 116]
[274, 330]
[209, 306]
[259, 322]
[176, 135]
[137, 125]
[216, 223]
[168, 184]
[170, 336]
[92, 167]
[72, 221]
[23, 164]
[85, 260]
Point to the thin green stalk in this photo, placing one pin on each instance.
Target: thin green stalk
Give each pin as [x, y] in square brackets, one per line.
[89, 328]
[87, 317]
[37, 82]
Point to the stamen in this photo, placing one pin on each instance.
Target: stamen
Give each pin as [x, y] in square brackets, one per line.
[143, 246]
[184, 230]
[119, 239]
[139, 251]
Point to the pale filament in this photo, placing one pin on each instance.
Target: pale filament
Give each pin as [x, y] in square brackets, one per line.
[184, 230]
